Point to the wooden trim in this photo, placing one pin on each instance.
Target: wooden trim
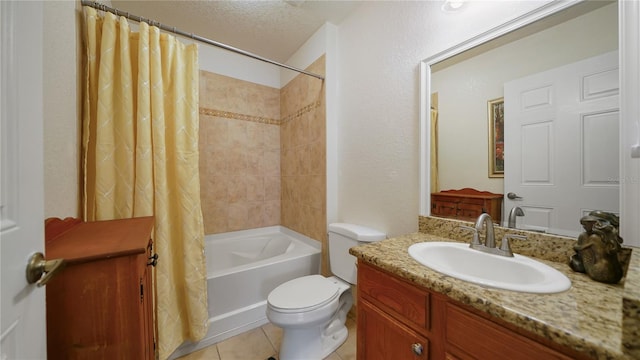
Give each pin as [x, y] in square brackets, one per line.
[54, 227]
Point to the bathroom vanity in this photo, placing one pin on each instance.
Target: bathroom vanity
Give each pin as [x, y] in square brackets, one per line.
[410, 322]
[408, 311]
[100, 306]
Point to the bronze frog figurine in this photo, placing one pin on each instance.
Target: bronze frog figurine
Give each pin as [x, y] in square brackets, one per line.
[598, 247]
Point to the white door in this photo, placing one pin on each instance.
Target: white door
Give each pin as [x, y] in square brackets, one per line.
[562, 144]
[22, 320]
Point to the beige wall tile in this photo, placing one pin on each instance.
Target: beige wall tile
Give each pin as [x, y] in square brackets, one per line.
[237, 190]
[271, 137]
[238, 216]
[271, 162]
[271, 215]
[255, 188]
[317, 158]
[272, 188]
[303, 159]
[263, 154]
[239, 153]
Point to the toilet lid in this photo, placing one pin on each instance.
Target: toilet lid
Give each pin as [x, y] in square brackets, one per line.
[305, 292]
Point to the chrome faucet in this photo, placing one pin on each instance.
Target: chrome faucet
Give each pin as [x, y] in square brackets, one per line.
[489, 246]
[515, 211]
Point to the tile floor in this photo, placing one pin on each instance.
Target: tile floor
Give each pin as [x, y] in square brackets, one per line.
[263, 342]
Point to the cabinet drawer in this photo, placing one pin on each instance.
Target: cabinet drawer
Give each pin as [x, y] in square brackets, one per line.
[394, 296]
[466, 210]
[469, 336]
[445, 208]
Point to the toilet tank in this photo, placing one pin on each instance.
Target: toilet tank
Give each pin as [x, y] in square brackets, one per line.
[343, 236]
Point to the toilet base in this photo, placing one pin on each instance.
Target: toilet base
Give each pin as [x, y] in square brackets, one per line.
[315, 340]
[311, 344]
[332, 343]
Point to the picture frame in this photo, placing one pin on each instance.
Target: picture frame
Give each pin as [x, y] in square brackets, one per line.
[495, 109]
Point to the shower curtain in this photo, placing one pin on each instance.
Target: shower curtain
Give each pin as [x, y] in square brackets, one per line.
[435, 187]
[140, 158]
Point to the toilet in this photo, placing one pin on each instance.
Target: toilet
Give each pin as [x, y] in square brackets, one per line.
[312, 310]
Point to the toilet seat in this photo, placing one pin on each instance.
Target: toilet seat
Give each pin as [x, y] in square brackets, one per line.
[303, 294]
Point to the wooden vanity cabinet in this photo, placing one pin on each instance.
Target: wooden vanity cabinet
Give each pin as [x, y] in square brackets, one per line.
[388, 337]
[394, 314]
[100, 306]
[469, 336]
[394, 318]
[466, 204]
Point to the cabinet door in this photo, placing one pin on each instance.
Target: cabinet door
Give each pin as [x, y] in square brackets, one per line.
[471, 337]
[383, 337]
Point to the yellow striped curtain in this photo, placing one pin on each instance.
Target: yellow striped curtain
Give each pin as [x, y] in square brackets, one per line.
[435, 186]
[140, 158]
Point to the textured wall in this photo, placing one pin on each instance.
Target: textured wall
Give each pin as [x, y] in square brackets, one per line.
[61, 114]
[380, 47]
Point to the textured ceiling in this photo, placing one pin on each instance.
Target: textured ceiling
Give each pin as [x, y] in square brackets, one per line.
[272, 29]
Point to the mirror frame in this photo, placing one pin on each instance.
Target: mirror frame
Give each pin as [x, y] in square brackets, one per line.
[629, 38]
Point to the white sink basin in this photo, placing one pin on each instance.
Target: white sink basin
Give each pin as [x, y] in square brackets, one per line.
[518, 273]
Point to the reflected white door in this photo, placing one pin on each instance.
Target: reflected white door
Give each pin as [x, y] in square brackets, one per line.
[22, 320]
[562, 144]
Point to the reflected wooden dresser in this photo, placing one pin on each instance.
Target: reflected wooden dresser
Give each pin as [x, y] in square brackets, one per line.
[466, 204]
[100, 306]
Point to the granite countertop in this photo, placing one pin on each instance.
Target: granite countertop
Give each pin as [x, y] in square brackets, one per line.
[588, 317]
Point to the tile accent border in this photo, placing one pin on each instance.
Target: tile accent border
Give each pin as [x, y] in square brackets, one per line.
[236, 116]
[260, 119]
[302, 111]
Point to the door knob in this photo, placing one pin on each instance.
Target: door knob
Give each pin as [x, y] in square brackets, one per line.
[37, 266]
[417, 348]
[513, 196]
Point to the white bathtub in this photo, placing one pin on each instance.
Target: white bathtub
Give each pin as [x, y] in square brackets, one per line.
[242, 268]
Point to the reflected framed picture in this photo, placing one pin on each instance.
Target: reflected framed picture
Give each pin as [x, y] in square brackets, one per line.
[495, 109]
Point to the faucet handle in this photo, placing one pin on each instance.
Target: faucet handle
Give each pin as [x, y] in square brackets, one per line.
[505, 247]
[476, 238]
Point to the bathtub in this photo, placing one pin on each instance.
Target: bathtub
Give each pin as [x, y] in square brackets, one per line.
[242, 268]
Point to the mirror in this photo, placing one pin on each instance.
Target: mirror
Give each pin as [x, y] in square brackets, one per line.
[465, 83]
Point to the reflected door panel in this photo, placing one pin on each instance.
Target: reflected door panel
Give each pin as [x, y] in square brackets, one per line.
[561, 144]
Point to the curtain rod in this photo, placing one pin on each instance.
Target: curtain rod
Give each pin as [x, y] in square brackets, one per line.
[173, 29]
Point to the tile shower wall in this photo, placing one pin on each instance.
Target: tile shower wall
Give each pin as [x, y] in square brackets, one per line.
[303, 157]
[262, 154]
[239, 154]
